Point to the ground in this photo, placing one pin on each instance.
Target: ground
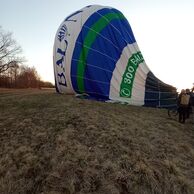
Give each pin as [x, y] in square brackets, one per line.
[60, 144]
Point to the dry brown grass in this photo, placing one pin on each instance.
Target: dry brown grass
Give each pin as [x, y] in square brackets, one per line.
[57, 144]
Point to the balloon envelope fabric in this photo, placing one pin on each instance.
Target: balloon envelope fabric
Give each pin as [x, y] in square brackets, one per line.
[96, 54]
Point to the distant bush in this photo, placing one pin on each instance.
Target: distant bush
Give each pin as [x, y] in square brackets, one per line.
[22, 76]
[46, 84]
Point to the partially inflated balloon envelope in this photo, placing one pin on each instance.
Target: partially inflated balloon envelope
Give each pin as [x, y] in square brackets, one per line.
[95, 53]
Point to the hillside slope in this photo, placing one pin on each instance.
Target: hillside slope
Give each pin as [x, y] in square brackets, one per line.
[54, 144]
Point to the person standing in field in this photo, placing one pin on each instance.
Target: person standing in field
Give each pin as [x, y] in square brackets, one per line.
[183, 103]
[192, 96]
[189, 108]
[192, 101]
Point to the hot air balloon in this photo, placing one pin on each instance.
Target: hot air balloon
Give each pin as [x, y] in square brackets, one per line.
[96, 54]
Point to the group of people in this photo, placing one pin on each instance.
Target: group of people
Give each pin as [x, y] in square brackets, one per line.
[185, 103]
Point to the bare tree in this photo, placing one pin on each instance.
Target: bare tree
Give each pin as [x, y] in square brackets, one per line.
[9, 51]
[28, 77]
[13, 73]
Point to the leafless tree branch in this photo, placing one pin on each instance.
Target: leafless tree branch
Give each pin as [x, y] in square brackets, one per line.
[9, 51]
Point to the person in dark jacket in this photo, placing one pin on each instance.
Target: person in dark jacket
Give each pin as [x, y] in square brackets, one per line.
[189, 108]
[192, 96]
[192, 102]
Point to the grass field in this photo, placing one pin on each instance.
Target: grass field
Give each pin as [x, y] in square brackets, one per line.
[59, 144]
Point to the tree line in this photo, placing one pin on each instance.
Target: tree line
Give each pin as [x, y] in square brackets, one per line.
[13, 73]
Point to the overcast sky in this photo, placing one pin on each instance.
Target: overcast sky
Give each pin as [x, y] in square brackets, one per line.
[163, 29]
